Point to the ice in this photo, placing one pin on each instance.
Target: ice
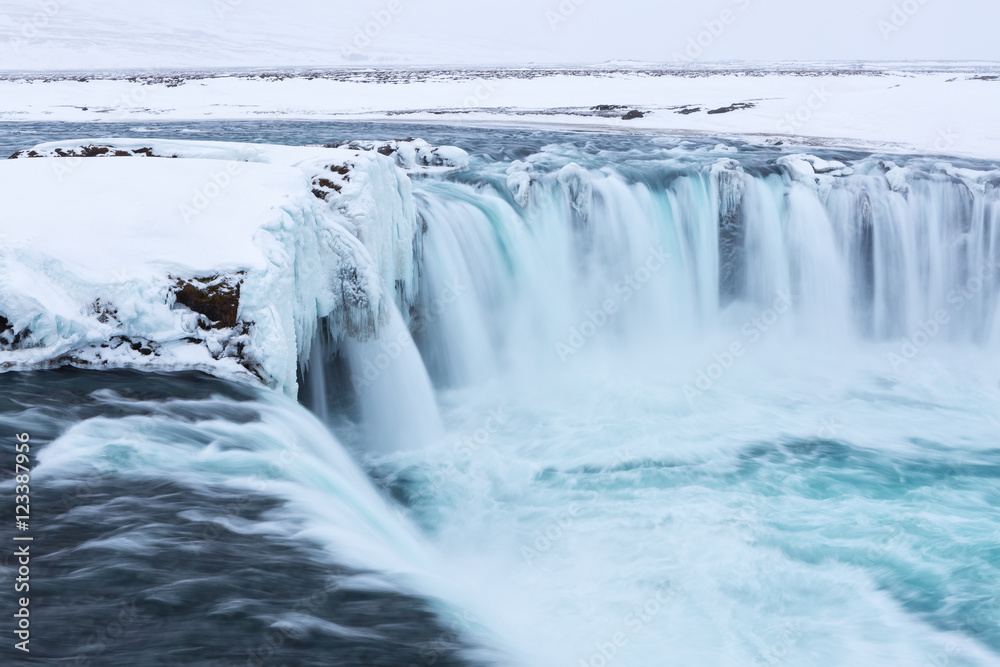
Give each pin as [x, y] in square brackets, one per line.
[519, 181]
[414, 155]
[575, 181]
[896, 176]
[814, 172]
[246, 215]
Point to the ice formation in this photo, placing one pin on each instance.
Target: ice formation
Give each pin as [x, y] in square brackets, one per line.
[223, 260]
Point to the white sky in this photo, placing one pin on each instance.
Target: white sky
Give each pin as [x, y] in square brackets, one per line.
[84, 34]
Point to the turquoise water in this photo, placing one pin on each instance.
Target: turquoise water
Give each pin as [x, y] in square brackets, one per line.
[736, 462]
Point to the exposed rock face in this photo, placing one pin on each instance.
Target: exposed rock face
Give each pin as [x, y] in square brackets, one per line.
[12, 338]
[325, 185]
[633, 114]
[733, 107]
[217, 298]
[88, 151]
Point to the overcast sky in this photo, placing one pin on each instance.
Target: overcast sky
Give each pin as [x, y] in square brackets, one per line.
[75, 34]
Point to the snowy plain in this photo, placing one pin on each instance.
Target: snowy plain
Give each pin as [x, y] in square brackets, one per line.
[931, 108]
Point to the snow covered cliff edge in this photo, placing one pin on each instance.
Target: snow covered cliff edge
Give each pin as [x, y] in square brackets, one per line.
[114, 254]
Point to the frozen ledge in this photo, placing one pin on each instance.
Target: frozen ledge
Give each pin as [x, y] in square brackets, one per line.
[198, 255]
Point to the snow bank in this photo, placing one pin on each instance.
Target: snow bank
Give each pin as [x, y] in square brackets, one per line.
[944, 110]
[413, 155]
[814, 172]
[222, 260]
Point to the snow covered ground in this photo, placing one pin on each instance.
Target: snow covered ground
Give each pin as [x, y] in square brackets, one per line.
[223, 260]
[935, 109]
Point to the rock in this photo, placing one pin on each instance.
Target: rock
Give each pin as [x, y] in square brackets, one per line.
[412, 155]
[633, 114]
[734, 107]
[215, 297]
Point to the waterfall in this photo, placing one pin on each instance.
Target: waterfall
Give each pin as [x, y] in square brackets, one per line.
[872, 251]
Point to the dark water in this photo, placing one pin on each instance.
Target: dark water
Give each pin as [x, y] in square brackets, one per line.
[133, 570]
[502, 144]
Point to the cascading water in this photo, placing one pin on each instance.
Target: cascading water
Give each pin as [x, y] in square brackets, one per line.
[864, 257]
[715, 411]
[653, 402]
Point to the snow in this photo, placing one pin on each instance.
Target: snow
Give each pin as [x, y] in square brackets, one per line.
[575, 181]
[814, 172]
[519, 181]
[934, 110]
[222, 214]
[898, 177]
